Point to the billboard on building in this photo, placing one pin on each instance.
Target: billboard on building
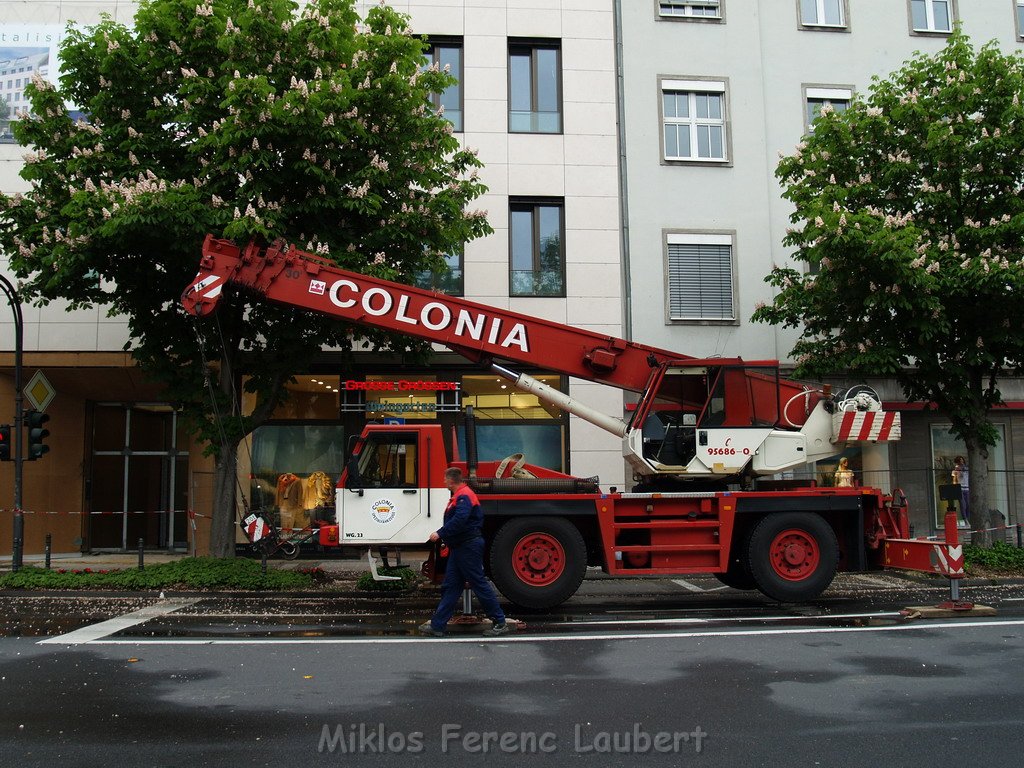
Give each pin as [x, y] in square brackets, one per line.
[26, 51]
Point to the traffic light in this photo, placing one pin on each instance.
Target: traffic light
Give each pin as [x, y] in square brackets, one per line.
[34, 421]
[5, 442]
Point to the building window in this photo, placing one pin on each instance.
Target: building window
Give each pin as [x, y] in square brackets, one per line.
[693, 113]
[932, 16]
[537, 248]
[945, 449]
[535, 87]
[700, 277]
[837, 99]
[447, 55]
[448, 281]
[689, 9]
[1020, 19]
[823, 13]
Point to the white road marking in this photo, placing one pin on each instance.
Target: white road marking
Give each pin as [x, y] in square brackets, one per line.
[560, 638]
[722, 619]
[687, 585]
[110, 626]
[871, 580]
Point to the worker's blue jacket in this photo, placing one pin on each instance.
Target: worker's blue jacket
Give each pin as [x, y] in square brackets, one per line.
[463, 517]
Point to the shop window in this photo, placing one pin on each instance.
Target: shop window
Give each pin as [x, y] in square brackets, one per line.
[307, 396]
[510, 421]
[945, 449]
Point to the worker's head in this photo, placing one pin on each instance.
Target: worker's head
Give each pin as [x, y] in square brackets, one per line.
[844, 463]
[959, 460]
[452, 478]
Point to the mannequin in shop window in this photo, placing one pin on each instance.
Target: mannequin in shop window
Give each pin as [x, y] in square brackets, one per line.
[843, 474]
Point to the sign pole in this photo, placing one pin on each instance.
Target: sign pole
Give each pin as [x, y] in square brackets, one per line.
[18, 540]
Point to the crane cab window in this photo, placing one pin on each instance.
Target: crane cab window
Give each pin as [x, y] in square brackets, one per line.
[388, 460]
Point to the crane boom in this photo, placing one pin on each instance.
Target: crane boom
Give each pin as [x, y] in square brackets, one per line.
[480, 332]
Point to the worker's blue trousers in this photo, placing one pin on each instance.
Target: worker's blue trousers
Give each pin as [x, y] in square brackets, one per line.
[466, 564]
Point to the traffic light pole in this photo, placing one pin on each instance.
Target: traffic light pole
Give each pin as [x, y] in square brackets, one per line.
[18, 542]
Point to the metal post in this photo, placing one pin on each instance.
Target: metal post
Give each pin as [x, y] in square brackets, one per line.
[47, 550]
[17, 551]
[142, 544]
[1019, 543]
[467, 601]
[263, 559]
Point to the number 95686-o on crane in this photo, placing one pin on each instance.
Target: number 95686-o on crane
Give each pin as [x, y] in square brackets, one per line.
[703, 440]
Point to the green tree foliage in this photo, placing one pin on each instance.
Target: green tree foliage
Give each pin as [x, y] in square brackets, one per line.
[251, 119]
[909, 217]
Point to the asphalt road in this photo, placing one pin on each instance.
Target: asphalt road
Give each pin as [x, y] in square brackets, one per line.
[664, 675]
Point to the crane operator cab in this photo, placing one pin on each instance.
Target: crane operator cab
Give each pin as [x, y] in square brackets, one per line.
[709, 420]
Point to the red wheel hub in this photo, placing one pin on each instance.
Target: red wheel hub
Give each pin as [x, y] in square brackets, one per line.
[794, 554]
[538, 559]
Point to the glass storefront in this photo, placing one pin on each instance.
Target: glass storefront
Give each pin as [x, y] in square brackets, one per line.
[301, 451]
[945, 449]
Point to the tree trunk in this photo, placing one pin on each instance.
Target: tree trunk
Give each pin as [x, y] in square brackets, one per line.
[978, 505]
[222, 528]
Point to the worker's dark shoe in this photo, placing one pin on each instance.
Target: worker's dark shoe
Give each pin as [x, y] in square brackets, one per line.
[429, 629]
[496, 630]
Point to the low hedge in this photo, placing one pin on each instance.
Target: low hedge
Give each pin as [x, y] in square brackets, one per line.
[189, 572]
[1001, 557]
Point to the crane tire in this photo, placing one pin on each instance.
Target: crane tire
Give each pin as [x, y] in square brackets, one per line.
[793, 556]
[538, 562]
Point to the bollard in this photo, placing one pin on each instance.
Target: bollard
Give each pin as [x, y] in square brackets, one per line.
[141, 545]
[16, 554]
[1019, 544]
[263, 560]
[48, 548]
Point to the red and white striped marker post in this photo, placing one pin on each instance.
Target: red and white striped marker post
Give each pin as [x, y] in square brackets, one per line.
[955, 561]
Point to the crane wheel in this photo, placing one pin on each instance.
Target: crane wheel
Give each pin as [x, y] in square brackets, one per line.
[793, 556]
[538, 563]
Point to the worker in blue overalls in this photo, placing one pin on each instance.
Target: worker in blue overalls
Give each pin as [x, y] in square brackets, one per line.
[463, 520]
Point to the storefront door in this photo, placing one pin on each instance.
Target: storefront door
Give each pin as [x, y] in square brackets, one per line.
[138, 478]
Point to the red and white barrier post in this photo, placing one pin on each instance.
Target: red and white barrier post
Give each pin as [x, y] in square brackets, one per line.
[954, 561]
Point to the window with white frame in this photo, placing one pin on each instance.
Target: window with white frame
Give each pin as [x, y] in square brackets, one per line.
[1020, 18]
[700, 277]
[707, 9]
[837, 99]
[932, 15]
[823, 13]
[693, 112]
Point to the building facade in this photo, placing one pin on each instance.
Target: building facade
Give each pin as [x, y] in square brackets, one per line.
[629, 149]
[537, 98]
[713, 91]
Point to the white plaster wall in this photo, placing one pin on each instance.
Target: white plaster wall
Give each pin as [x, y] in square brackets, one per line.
[766, 59]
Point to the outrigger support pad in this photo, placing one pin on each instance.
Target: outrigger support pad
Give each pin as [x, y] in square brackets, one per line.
[373, 568]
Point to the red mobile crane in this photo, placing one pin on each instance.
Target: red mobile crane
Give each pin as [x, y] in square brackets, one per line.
[703, 440]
